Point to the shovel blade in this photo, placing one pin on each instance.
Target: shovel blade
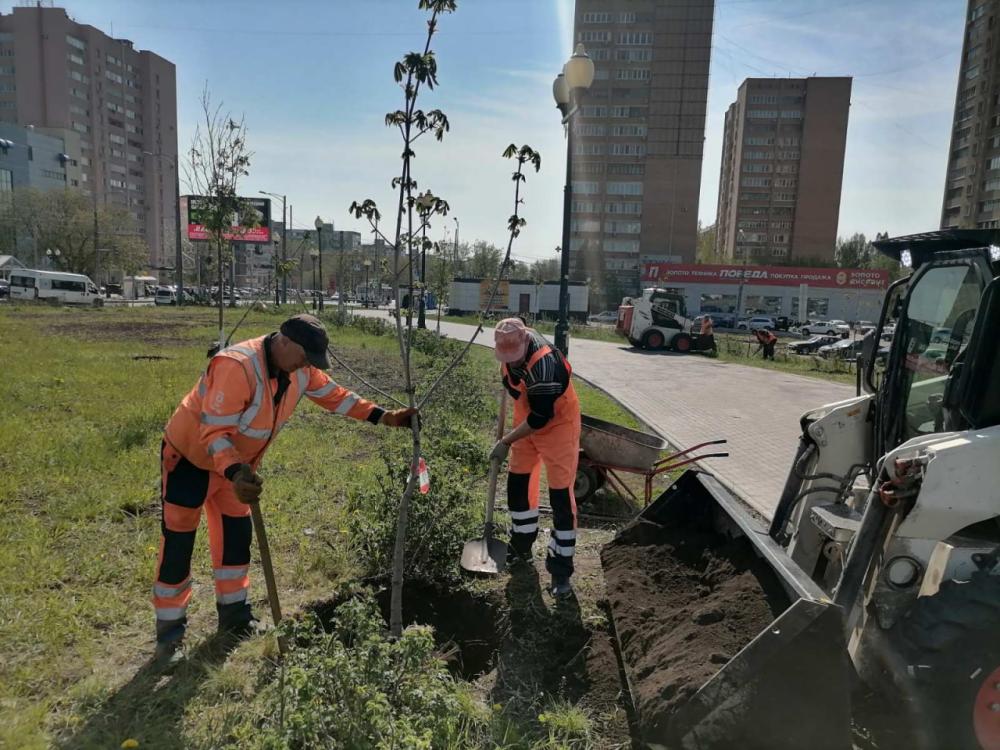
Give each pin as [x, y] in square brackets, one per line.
[484, 556]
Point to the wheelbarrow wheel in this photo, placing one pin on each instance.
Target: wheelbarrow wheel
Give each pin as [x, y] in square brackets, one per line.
[588, 481]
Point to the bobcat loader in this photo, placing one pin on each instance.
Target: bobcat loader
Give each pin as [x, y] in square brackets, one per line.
[867, 609]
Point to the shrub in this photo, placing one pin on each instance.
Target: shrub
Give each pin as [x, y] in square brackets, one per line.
[353, 687]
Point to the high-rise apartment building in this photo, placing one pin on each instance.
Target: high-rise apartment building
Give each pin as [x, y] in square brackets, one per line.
[782, 169]
[639, 136]
[57, 74]
[972, 182]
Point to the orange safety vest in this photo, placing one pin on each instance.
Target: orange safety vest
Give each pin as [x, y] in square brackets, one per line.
[232, 419]
[567, 405]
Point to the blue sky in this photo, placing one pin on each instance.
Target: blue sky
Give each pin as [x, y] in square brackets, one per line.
[314, 80]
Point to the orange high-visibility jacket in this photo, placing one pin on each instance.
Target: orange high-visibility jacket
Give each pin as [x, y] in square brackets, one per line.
[229, 416]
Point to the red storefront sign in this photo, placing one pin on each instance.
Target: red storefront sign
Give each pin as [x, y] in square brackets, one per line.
[830, 278]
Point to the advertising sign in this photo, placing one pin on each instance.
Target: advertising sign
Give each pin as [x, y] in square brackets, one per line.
[826, 278]
[196, 231]
[500, 301]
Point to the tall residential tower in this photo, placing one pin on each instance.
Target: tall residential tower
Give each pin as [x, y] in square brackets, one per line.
[782, 169]
[639, 137]
[972, 183]
[59, 75]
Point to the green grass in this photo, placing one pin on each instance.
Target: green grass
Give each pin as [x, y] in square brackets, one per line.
[741, 349]
[86, 394]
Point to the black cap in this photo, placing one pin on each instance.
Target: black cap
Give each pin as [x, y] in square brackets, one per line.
[309, 333]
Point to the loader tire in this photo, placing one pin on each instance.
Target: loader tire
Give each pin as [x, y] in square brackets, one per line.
[653, 340]
[951, 665]
[682, 343]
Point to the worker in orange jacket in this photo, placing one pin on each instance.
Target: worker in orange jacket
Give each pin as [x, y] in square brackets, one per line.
[767, 341]
[546, 431]
[211, 450]
[707, 334]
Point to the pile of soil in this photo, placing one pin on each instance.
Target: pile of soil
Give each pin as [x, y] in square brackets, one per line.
[684, 602]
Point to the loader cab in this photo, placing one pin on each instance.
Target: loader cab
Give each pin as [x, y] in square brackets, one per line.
[937, 332]
[669, 299]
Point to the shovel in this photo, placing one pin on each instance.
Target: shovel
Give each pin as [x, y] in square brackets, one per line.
[488, 556]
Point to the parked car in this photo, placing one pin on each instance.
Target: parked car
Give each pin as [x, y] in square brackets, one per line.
[723, 320]
[829, 327]
[608, 316]
[842, 349]
[165, 295]
[940, 335]
[756, 323]
[4, 288]
[811, 344]
[782, 323]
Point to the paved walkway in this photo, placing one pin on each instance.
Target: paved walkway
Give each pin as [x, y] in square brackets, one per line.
[689, 399]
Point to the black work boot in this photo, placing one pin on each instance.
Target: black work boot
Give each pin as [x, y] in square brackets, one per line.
[518, 559]
[237, 621]
[560, 586]
[169, 643]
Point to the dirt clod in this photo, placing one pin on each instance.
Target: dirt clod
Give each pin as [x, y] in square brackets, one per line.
[712, 596]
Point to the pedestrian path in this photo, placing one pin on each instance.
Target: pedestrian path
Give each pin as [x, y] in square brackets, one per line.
[689, 399]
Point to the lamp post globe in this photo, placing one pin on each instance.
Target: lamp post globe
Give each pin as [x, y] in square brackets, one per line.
[579, 70]
[560, 91]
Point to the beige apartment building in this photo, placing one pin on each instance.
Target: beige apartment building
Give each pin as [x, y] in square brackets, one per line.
[639, 137]
[972, 182]
[59, 75]
[782, 170]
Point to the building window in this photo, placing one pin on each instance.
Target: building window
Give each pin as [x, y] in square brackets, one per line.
[626, 18]
[762, 114]
[6, 181]
[585, 129]
[77, 110]
[130, 128]
[597, 18]
[753, 167]
[114, 107]
[113, 60]
[757, 155]
[588, 149]
[631, 169]
[114, 138]
[971, 72]
[991, 205]
[74, 42]
[978, 12]
[586, 188]
[756, 182]
[585, 207]
[116, 183]
[632, 74]
[761, 99]
[791, 114]
[629, 209]
[759, 141]
[596, 36]
[622, 227]
[592, 111]
[625, 111]
[54, 175]
[788, 197]
[585, 225]
[635, 37]
[621, 246]
[111, 76]
[79, 77]
[74, 58]
[79, 127]
[629, 130]
[993, 163]
[627, 149]
[633, 55]
[117, 168]
[624, 188]
[599, 54]
[993, 184]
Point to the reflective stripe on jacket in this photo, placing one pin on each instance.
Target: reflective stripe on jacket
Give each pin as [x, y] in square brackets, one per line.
[229, 416]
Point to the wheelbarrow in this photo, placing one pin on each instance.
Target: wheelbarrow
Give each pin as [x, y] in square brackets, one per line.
[608, 450]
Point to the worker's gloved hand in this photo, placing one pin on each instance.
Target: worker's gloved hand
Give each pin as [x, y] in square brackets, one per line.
[398, 417]
[247, 484]
[500, 451]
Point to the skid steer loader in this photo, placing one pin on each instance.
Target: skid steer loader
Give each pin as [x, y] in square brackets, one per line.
[869, 604]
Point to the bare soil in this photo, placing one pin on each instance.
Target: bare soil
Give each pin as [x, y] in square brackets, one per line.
[684, 603]
[92, 327]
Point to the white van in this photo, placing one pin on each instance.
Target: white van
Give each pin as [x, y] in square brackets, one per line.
[68, 288]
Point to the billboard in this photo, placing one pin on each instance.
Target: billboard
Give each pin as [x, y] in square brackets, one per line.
[500, 302]
[826, 278]
[192, 206]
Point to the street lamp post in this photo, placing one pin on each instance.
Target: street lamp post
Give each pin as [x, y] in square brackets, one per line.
[319, 241]
[457, 227]
[284, 247]
[568, 88]
[314, 253]
[53, 256]
[368, 289]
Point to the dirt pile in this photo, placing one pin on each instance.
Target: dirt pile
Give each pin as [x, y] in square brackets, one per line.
[684, 603]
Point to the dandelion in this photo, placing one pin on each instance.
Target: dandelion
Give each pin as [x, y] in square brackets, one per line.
[130, 744]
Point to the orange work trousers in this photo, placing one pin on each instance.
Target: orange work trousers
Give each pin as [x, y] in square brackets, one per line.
[185, 490]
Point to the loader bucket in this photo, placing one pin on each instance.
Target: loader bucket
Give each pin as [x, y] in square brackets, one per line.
[725, 642]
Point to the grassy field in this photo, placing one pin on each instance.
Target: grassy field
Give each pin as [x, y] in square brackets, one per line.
[86, 394]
